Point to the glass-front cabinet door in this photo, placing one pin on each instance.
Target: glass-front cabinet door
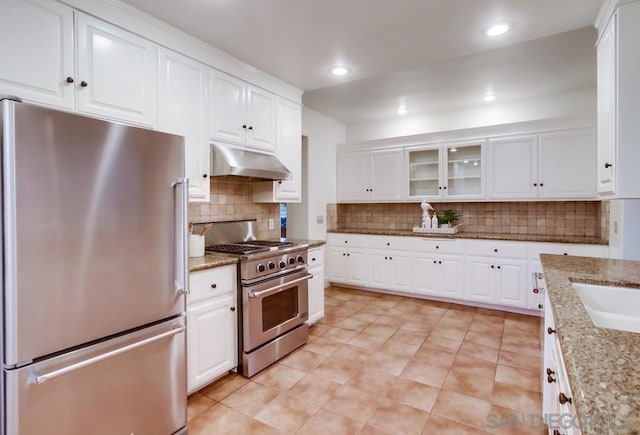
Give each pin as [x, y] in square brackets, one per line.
[425, 172]
[446, 171]
[464, 169]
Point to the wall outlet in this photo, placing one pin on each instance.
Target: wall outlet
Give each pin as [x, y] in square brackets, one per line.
[272, 224]
[320, 219]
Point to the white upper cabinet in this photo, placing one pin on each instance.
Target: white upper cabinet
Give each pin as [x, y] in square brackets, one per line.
[567, 164]
[242, 114]
[619, 102]
[117, 73]
[369, 175]
[183, 87]
[559, 165]
[513, 168]
[289, 152]
[36, 42]
[451, 171]
[606, 52]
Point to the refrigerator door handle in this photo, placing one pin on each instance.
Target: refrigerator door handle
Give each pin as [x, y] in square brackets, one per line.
[181, 281]
[73, 367]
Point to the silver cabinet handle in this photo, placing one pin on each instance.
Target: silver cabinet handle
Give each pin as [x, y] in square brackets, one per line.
[276, 289]
[181, 282]
[63, 371]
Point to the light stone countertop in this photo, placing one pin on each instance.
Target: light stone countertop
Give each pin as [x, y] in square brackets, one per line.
[209, 261]
[483, 236]
[603, 365]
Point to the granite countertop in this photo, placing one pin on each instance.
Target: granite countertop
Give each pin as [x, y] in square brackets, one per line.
[603, 365]
[485, 236]
[211, 260]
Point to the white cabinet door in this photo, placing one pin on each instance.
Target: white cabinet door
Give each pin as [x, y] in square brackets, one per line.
[228, 114]
[357, 264]
[211, 340]
[386, 175]
[607, 103]
[424, 172]
[439, 275]
[399, 268]
[117, 73]
[511, 283]
[378, 269]
[36, 42]
[338, 269]
[427, 275]
[183, 110]
[289, 152]
[513, 168]
[451, 270]
[354, 173]
[261, 119]
[480, 279]
[568, 164]
[316, 294]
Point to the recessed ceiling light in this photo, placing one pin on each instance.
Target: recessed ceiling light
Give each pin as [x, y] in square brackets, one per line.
[402, 110]
[498, 29]
[453, 150]
[489, 97]
[340, 70]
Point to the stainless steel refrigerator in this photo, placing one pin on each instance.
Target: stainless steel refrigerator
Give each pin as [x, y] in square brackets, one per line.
[94, 276]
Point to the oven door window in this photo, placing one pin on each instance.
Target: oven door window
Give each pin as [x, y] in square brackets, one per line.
[279, 308]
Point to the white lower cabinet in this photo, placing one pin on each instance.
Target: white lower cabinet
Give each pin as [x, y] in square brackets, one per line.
[557, 398]
[316, 284]
[390, 270]
[439, 275]
[490, 272]
[497, 281]
[212, 330]
[347, 265]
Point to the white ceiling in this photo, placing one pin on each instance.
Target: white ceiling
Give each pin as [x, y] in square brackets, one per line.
[299, 40]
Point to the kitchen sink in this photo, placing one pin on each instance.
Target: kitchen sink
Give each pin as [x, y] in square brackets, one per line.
[610, 306]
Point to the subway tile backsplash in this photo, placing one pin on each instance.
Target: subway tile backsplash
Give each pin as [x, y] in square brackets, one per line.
[231, 200]
[574, 218]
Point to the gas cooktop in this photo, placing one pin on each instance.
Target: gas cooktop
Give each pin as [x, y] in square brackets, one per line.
[250, 247]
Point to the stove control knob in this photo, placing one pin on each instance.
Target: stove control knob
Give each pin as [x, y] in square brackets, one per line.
[292, 260]
[299, 259]
[282, 264]
[271, 265]
[261, 267]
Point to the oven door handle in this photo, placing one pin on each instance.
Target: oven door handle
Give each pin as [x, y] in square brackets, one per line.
[281, 287]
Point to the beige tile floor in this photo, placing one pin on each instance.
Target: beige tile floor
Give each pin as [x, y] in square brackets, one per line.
[384, 364]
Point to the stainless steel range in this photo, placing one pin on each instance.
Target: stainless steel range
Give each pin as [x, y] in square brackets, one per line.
[273, 283]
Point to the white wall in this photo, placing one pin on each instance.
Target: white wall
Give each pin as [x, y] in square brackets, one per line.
[319, 175]
[624, 231]
[576, 104]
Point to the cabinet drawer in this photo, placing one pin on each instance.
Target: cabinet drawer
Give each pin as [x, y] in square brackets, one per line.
[210, 283]
[389, 242]
[535, 249]
[316, 257]
[497, 249]
[347, 240]
[444, 246]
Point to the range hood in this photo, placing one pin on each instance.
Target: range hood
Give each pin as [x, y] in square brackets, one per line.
[229, 160]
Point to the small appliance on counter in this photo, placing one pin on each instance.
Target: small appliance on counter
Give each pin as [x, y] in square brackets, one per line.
[92, 326]
[273, 293]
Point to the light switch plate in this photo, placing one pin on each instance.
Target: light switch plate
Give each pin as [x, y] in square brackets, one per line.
[320, 219]
[272, 224]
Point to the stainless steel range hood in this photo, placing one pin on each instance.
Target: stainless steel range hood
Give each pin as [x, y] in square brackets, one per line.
[229, 160]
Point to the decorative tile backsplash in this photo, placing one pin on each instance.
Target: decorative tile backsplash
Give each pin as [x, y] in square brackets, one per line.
[575, 218]
[231, 200]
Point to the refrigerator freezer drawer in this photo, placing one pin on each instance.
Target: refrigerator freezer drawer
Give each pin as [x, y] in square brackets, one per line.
[132, 384]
